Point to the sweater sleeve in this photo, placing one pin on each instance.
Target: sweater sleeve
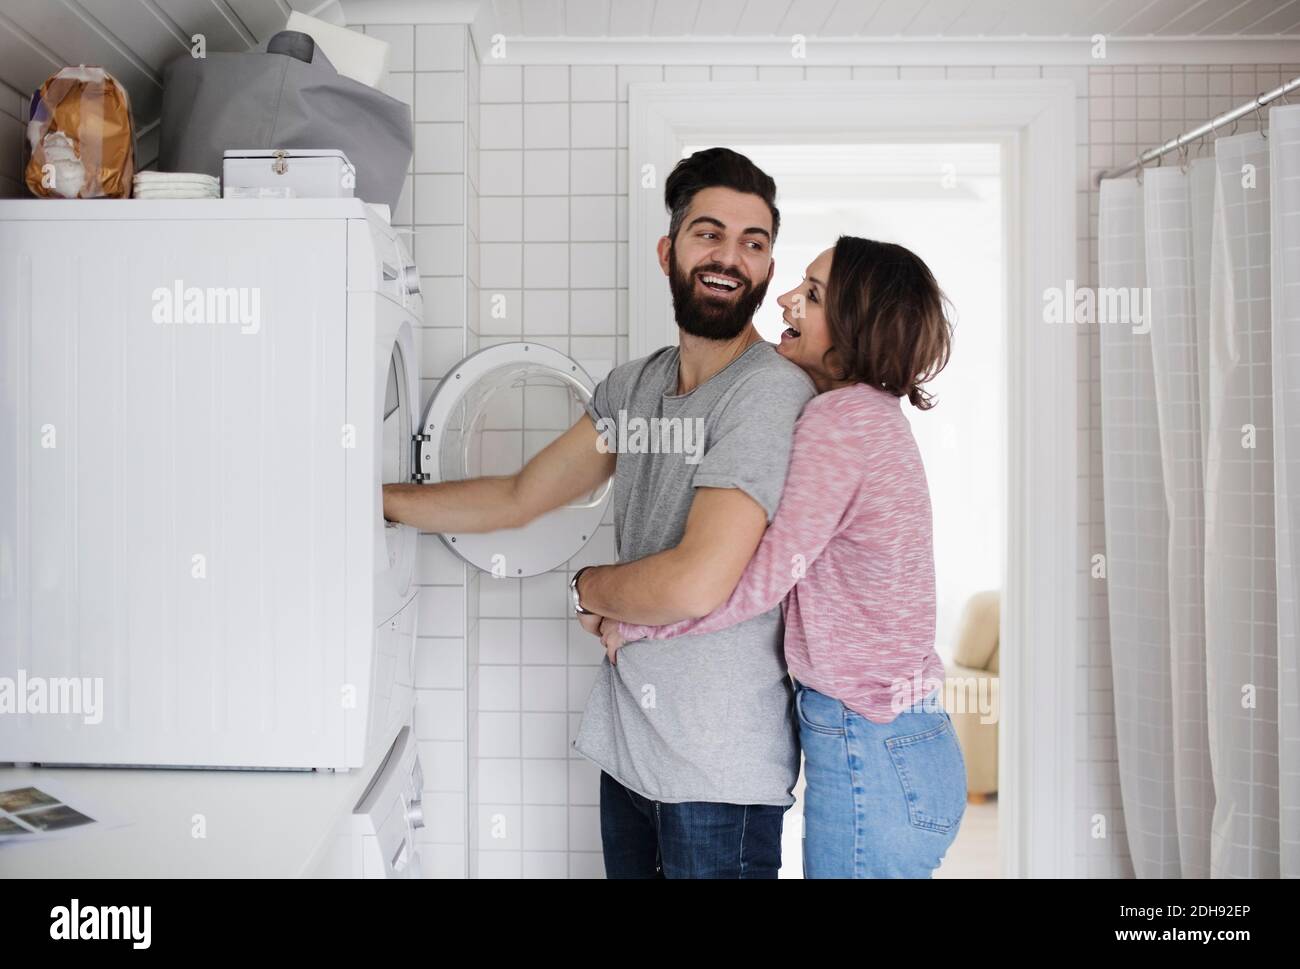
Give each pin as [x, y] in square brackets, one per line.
[825, 476]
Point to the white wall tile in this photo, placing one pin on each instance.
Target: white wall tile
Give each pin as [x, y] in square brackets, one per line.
[593, 171]
[592, 265]
[544, 734]
[545, 828]
[499, 641]
[544, 641]
[591, 218]
[499, 597]
[497, 733]
[592, 312]
[545, 312]
[593, 82]
[501, 82]
[501, 268]
[443, 763]
[498, 688]
[546, 125]
[439, 47]
[545, 783]
[546, 82]
[546, 265]
[440, 96]
[594, 125]
[442, 608]
[546, 218]
[439, 147]
[545, 595]
[501, 172]
[501, 126]
[546, 172]
[440, 663]
[439, 715]
[440, 199]
[543, 688]
[501, 219]
[440, 249]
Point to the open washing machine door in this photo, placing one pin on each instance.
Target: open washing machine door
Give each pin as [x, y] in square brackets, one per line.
[494, 411]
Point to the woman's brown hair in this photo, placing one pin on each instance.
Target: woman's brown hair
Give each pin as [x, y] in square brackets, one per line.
[890, 323]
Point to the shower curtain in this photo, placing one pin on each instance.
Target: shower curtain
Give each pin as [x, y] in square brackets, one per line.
[1198, 304]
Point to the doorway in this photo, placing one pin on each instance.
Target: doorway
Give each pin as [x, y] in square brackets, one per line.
[1032, 124]
[945, 202]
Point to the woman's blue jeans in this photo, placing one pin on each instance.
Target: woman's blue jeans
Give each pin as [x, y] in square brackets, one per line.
[883, 800]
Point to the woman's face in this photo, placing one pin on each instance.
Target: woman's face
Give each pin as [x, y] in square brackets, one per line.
[807, 337]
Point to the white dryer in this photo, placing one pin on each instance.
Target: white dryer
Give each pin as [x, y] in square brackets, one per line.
[201, 400]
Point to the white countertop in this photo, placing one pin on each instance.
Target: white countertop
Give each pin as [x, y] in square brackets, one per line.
[259, 823]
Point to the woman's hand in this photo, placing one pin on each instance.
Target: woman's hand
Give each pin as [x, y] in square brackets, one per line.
[591, 622]
[611, 639]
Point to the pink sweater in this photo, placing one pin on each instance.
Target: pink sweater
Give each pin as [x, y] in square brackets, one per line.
[850, 552]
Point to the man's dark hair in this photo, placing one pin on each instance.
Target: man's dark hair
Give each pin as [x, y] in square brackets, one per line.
[716, 168]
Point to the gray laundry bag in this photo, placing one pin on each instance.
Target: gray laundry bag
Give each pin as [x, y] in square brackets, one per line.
[263, 100]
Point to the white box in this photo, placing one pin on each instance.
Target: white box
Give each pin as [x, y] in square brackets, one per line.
[309, 173]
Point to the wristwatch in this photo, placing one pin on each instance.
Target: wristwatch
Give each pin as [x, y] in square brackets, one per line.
[573, 589]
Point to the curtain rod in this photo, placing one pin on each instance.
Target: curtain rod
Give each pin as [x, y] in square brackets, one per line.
[1208, 128]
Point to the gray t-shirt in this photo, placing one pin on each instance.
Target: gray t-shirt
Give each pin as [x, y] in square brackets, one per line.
[696, 718]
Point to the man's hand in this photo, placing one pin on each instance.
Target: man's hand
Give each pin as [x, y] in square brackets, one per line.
[570, 466]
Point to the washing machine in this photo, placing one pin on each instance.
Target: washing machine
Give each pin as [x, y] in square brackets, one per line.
[491, 413]
[199, 403]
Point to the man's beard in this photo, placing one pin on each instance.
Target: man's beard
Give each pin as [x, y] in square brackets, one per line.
[708, 318]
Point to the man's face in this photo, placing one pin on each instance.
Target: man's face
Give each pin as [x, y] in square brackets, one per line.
[720, 263]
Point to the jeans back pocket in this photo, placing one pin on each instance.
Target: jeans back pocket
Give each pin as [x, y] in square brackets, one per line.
[933, 774]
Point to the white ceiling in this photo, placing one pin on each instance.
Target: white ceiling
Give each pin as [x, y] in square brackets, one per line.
[891, 18]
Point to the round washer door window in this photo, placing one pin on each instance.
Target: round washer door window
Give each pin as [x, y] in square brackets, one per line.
[490, 415]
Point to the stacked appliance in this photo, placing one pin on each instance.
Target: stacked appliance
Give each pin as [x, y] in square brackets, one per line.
[201, 402]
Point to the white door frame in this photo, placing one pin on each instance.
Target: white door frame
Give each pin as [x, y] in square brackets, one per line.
[1034, 119]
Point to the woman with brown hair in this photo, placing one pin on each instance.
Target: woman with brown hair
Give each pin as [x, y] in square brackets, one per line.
[850, 555]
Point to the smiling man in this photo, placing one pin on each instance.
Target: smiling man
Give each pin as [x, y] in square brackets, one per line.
[694, 736]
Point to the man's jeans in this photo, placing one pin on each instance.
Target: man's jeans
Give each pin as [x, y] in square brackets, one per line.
[697, 839]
